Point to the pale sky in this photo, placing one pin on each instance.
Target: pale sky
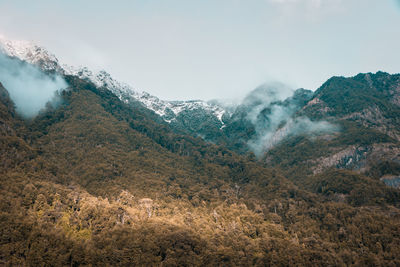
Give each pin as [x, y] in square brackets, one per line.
[186, 49]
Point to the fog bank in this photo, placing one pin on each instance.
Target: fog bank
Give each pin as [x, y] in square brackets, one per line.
[29, 87]
[272, 108]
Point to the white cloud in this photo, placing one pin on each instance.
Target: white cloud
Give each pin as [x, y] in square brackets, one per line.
[29, 88]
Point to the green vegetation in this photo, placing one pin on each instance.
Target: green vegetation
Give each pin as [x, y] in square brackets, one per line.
[99, 182]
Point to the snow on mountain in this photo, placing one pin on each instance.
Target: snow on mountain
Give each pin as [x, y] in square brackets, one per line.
[168, 110]
[29, 52]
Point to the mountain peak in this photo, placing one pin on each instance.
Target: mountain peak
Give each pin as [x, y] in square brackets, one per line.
[168, 110]
[30, 52]
[17, 48]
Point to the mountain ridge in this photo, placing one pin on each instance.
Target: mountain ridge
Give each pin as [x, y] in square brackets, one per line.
[99, 181]
[168, 110]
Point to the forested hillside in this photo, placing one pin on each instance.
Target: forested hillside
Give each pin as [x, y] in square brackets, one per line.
[97, 181]
[366, 111]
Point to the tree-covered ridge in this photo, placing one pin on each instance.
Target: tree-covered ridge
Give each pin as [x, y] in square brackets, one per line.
[101, 182]
[341, 96]
[368, 103]
[366, 110]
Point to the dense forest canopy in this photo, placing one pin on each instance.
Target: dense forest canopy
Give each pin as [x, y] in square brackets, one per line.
[98, 181]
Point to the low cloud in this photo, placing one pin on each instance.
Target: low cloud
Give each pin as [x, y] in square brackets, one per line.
[271, 109]
[29, 87]
[299, 126]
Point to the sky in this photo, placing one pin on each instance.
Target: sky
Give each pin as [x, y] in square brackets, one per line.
[186, 49]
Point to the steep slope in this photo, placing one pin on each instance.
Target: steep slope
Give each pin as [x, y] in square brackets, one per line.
[14, 149]
[266, 117]
[206, 115]
[31, 53]
[370, 99]
[108, 185]
[366, 109]
[198, 118]
[260, 115]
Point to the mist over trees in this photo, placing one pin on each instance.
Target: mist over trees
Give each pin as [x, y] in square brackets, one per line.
[28, 86]
[97, 181]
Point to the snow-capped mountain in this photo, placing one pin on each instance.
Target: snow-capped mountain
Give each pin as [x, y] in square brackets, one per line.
[168, 110]
[30, 52]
